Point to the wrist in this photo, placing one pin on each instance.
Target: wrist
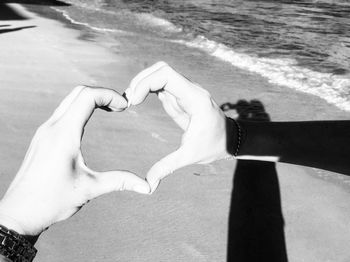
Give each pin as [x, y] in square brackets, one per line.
[256, 141]
[15, 247]
[233, 136]
[10, 217]
[13, 224]
[16, 241]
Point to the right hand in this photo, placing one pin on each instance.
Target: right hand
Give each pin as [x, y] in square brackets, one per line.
[193, 110]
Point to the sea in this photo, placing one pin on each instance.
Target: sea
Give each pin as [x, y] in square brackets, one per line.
[298, 44]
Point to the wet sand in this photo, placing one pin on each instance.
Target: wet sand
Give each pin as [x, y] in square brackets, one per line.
[275, 211]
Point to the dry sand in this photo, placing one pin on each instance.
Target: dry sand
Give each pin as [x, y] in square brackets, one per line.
[187, 218]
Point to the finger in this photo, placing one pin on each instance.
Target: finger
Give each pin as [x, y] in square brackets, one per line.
[180, 117]
[106, 182]
[129, 92]
[166, 166]
[66, 102]
[90, 98]
[166, 78]
[144, 73]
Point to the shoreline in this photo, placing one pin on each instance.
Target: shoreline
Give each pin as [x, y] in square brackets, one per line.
[186, 219]
[222, 69]
[286, 73]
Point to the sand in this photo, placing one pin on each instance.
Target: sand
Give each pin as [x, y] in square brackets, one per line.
[277, 212]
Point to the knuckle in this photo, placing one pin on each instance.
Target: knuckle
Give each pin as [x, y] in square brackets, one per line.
[167, 70]
[121, 186]
[205, 93]
[43, 135]
[86, 93]
[205, 98]
[42, 130]
[85, 90]
[160, 64]
[46, 128]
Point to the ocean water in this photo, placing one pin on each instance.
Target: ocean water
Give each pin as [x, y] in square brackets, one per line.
[299, 44]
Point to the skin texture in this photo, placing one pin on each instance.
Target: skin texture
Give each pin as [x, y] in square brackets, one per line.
[192, 108]
[53, 182]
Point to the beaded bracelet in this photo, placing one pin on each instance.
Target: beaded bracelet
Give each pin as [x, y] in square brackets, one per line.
[239, 137]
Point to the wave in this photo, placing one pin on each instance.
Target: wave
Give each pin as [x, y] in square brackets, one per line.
[332, 2]
[154, 21]
[334, 89]
[100, 29]
[141, 18]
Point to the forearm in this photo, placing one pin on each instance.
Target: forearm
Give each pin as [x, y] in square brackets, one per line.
[321, 144]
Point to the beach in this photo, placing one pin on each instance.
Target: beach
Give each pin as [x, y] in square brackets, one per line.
[191, 214]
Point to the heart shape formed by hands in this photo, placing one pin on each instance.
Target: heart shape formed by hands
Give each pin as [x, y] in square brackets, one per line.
[192, 108]
[54, 182]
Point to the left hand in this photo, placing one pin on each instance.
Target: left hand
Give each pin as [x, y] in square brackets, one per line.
[53, 182]
[193, 109]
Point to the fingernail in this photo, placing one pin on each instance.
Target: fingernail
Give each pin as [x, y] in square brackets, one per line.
[124, 95]
[114, 109]
[143, 189]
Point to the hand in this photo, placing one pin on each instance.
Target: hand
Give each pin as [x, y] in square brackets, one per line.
[53, 182]
[192, 108]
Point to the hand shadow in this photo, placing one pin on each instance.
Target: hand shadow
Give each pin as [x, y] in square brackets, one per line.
[256, 225]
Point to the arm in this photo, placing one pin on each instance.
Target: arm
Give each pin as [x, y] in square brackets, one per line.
[209, 135]
[320, 144]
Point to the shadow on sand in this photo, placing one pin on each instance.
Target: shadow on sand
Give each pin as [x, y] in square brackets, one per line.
[8, 30]
[8, 13]
[38, 2]
[256, 225]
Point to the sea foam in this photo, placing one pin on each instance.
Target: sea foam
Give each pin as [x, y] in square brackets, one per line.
[73, 21]
[334, 89]
[154, 21]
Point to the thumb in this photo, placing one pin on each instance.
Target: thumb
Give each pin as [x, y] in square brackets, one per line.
[166, 166]
[106, 182]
